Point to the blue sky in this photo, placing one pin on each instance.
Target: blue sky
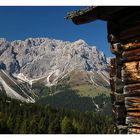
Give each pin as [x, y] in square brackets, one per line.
[19, 23]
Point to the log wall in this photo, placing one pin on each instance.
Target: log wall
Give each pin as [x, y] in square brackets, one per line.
[125, 77]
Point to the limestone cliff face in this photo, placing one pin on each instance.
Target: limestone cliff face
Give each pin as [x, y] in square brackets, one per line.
[54, 61]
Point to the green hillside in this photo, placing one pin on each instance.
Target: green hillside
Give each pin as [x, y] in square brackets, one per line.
[82, 98]
[22, 118]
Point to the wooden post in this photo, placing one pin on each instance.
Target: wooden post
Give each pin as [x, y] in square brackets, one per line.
[116, 82]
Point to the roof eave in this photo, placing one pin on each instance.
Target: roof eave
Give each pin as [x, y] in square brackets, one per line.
[94, 13]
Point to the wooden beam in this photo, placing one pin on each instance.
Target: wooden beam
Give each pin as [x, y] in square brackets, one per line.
[131, 72]
[118, 85]
[131, 46]
[131, 88]
[112, 67]
[133, 114]
[132, 120]
[132, 103]
[133, 130]
[116, 48]
[130, 32]
[122, 129]
[120, 111]
[131, 55]
[119, 98]
[112, 84]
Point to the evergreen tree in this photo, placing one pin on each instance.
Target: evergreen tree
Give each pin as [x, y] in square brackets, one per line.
[11, 123]
[43, 126]
[22, 118]
[66, 126]
[54, 127]
[24, 129]
[33, 126]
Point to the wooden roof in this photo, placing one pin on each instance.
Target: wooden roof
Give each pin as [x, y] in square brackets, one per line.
[100, 12]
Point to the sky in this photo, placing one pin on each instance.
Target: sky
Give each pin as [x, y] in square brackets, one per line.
[19, 23]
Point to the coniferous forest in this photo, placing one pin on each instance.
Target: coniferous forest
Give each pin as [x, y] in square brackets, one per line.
[21, 118]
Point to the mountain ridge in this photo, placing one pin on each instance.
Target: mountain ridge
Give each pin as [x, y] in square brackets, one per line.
[54, 62]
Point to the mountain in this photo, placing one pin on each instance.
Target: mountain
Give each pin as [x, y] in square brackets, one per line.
[35, 63]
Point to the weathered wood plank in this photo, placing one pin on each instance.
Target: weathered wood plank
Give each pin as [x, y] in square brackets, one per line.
[112, 67]
[118, 72]
[112, 96]
[122, 129]
[132, 120]
[132, 66]
[132, 94]
[113, 31]
[131, 55]
[116, 48]
[131, 72]
[120, 121]
[133, 114]
[112, 84]
[131, 88]
[113, 109]
[112, 38]
[119, 61]
[133, 130]
[130, 76]
[119, 98]
[131, 46]
[133, 39]
[130, 32]
[118, 85]
[130, 19]
[132, 103]
[134, 125]
[119, 111]
[118, 116]
[119, 65]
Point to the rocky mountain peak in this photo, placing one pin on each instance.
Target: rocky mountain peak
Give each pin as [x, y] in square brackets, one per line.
[53, 60]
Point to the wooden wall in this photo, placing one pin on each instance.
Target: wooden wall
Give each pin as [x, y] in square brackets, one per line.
[125, 77]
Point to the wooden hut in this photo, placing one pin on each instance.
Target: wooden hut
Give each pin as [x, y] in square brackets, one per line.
[123, 26]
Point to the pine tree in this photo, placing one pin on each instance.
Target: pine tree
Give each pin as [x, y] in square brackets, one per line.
[42, 126]
[66, 126]
[54, 127]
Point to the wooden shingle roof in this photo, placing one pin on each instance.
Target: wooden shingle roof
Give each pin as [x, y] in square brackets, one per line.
[100, 12]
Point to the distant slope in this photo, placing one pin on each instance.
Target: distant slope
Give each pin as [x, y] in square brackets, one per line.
[14, 89]
[76, 99]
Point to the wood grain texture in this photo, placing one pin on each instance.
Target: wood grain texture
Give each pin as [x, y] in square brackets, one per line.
[122, 129]
[112, 84]
[131, 88]
[119, 98]
[119, 111]
[131, 72]
[112, 67]
[130, 32]
[133, 130]
[133, 114]
[132, 120]
[116, 48]
[131, 55]
[134, 125]
[132, 103]
[112, 96]
[118, 85]
[131, 46]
